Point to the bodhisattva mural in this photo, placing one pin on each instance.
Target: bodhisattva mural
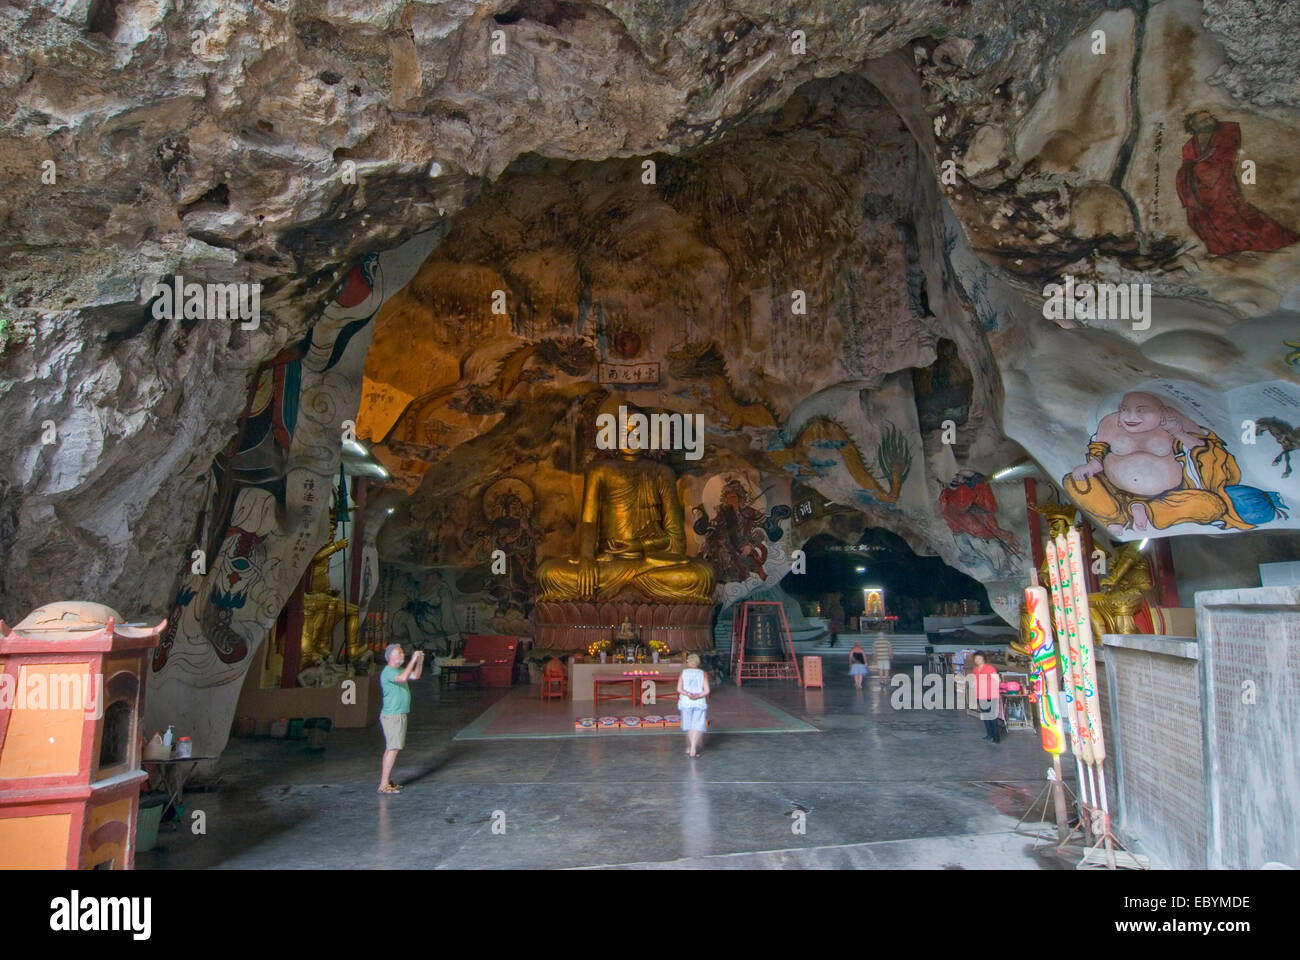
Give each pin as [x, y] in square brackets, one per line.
[422, 610]
[505, 524]
[268, 515]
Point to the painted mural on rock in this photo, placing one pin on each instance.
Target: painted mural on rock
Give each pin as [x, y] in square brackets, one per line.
[970, 509]
[421, 609]
[740, 534]
[1171, 457]
[501, 568]
[1212, 197]
[267, 517]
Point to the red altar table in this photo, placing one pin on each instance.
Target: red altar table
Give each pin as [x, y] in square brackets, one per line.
[602, 693]
[634, 675]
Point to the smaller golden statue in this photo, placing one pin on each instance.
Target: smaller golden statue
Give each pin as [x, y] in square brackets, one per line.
[1122, 590]
[323, 608]
[627, 640]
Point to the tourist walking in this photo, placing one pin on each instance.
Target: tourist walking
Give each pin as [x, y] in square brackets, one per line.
[396, 707]
[987, 695]
[857, 664]
[882, 651]
[693, 703]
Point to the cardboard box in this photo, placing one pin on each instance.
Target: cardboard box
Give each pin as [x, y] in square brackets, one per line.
[1178, 621]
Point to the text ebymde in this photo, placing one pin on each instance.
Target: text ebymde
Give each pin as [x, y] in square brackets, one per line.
[74, 913]
[658, 431]
[208, 301]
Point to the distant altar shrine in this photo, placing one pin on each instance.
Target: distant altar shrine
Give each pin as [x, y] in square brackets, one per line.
[631, 564]
[874, 617]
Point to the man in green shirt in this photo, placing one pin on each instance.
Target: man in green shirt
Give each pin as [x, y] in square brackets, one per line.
[396, 708]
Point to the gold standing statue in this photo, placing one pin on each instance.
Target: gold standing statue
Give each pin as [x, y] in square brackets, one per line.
[323, 608]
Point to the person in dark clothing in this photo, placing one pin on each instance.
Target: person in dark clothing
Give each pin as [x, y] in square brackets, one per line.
[858, 664]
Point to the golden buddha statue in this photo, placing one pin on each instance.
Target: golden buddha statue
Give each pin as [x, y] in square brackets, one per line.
[631, 537]
[323, 608]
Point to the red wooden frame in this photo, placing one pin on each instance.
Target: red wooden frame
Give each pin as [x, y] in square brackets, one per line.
[787, 669]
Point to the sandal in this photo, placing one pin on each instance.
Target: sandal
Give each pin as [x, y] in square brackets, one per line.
[390, 788]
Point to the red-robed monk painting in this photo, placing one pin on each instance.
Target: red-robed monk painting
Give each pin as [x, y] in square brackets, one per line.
[968, 506]
[1207, 186]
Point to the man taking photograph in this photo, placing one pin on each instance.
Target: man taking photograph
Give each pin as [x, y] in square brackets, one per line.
[396, 707]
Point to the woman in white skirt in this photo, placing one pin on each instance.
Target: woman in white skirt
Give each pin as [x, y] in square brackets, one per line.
[693, 703]
[857, 664]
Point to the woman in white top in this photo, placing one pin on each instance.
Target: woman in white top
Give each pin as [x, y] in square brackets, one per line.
[693, 703]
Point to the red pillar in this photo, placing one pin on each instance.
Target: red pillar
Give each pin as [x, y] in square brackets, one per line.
[1085, 542]
[1035, 523]
[293, 633]
[1165, 578]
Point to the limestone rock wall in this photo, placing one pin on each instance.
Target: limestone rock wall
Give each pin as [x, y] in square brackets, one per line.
[281, 142]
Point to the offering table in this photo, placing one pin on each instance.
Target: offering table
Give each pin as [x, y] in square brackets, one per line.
[582, 676]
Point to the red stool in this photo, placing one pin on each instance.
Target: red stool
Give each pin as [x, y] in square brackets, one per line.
[555, 682]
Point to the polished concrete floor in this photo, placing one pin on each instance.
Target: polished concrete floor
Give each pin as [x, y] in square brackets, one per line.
[876, 787]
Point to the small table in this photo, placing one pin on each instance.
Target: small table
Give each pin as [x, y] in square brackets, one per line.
[171, 778]
[445, 671]
[608, 680]
[635, 680]
[939, 662]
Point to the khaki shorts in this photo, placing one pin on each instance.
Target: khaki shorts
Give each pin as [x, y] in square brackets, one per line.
[394, 725]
